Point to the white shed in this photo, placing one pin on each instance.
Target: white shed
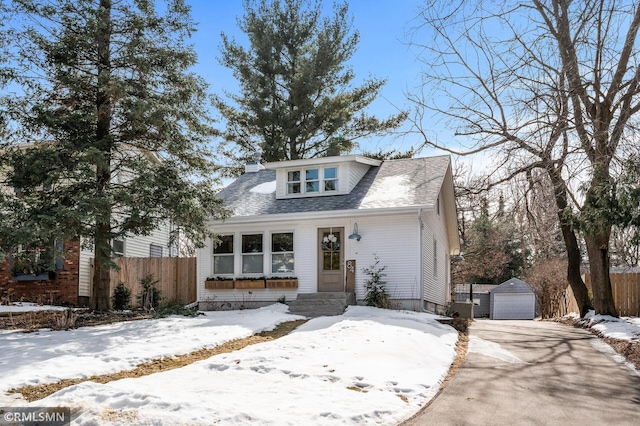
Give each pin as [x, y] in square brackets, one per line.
[513, 299]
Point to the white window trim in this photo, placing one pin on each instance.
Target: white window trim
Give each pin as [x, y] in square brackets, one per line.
[435, 258]
[124, 247]
[232, 255]
[242, 254]
[155, 246]
[271, 253]
[321, 181]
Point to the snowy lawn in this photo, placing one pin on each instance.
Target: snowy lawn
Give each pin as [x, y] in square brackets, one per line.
[625, 328]
[47, 356]
[29, 307]
[368, 366]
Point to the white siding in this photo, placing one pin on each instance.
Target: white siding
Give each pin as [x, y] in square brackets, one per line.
[436, 284]
[137, 246]
[394, 238]
[84, 273]
[355, 172]
[281, 183]
[304, 244]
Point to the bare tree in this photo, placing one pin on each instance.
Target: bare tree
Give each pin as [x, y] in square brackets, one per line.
[549, 289]
[550, 85]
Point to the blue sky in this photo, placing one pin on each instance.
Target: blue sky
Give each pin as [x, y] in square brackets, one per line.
[382, 51]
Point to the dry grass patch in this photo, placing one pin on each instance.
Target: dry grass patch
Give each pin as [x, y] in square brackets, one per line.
[35, 392]
[57, 320]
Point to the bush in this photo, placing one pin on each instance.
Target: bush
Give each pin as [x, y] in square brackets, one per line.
[65, 321]
[150, 297]
[121, 299]
[176, 308]
[547, 277]
[376, 292]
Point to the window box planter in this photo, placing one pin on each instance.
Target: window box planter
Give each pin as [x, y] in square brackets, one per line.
[218, 284]
[249, 283]
[42, 276]
[282, 283]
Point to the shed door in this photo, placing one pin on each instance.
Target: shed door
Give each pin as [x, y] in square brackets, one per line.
[330, 259]
[514, 306]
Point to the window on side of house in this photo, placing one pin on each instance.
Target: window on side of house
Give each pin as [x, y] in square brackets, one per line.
[118, 248]
[223, 256]
[252, 254]
[435, 257]
[282, 253]
[438, 205]
[155, 250]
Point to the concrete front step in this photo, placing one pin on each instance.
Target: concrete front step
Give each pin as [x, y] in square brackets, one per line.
[321, 304]
[323, 296]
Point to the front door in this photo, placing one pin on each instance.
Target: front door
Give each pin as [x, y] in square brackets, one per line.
[330, 259]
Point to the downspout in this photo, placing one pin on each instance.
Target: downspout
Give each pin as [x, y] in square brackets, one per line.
[421, 254]
[171, 248]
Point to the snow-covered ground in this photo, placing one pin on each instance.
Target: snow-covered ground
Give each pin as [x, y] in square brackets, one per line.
[47, 356]
[625, 328]
[368, 366]
[29, 307]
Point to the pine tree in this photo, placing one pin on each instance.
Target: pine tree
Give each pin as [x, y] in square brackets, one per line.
[116, 127]
[296, 95]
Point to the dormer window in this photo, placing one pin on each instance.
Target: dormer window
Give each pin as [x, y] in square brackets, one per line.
[293, 182]
[330, 179]
[312, 181]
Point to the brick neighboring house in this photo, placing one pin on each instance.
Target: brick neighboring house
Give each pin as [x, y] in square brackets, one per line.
[70, 283]
[61, 288]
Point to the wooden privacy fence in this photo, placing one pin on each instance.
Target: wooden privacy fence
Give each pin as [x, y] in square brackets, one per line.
[626, 295]
[176, 277]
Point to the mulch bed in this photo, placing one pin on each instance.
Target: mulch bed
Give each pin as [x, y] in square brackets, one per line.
[629, 349]
[32, 321]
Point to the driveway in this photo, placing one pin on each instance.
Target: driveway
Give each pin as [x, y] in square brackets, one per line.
[548, 374]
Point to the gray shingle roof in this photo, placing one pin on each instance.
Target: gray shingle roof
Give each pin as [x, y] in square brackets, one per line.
[395, 183]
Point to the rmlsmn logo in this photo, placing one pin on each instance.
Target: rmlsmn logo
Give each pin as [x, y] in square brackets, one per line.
[35, 416]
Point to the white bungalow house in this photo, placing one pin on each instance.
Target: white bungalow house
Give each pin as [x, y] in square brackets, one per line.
[311, 226]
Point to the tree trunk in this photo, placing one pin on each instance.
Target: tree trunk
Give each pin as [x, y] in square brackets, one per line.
[102, 237]
[598, 251]
[101, 297]
[574, 258]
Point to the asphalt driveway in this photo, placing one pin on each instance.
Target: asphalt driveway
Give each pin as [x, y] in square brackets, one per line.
[549, 374]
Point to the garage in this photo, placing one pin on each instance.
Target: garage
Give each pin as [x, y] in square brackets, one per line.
[513, 299]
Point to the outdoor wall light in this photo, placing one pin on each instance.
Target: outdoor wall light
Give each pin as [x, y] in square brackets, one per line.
[354, 235]
[457, 256]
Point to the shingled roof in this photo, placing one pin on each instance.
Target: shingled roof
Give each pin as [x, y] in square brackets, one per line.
[401, 183]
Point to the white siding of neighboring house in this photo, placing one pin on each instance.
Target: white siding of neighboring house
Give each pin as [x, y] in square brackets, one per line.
[393, 237]
[135, 246]
[436, 284]
[84, 273]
